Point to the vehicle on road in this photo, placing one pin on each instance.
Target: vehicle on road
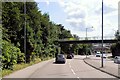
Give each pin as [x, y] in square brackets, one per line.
[104, 55]
[69, 56]
[60, 58]
[117, 59]
[98, 54]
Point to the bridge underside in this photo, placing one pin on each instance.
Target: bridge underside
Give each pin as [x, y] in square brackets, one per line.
[86, 41]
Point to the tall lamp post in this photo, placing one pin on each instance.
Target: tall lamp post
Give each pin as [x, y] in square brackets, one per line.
[87, 38]
[25, 29]
[102, 37]
[87, 30]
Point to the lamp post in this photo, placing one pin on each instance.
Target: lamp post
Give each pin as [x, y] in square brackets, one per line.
[25, 29]
[87, 30]
[87, 38]
[86, 34]
[102, 37]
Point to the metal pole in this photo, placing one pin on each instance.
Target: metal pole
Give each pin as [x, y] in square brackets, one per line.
[87, 39]
[85, 46]
[86, 33]
[102, 37]
[25, 29]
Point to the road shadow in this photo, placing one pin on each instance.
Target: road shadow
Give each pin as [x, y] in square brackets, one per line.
[58, 63]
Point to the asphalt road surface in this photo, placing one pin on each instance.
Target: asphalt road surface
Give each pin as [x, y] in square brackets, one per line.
[73, 68]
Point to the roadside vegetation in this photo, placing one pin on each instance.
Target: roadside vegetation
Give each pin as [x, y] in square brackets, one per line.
[115, 48]
[21, 45]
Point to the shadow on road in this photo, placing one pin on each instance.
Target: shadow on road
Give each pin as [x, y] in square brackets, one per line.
[58, 63]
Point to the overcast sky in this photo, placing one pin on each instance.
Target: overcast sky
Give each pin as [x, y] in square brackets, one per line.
[77, 15]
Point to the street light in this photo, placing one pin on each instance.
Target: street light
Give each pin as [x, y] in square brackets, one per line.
[86, 31]
[86, 37]
[102, 37]
[25, 29]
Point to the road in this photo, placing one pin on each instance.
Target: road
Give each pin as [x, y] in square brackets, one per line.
[73, 68]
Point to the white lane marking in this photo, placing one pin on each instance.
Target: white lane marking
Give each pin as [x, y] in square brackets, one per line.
[72, 71]
[78, 77]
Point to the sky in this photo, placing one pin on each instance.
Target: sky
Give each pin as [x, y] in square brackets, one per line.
[77, 15]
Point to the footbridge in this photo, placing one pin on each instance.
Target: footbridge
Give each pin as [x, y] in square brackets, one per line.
[84, 40]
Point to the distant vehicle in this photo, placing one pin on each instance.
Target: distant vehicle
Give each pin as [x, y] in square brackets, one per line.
[104, 55]
[60, 58]
[117, 59]
[98, 54]
[69, 56]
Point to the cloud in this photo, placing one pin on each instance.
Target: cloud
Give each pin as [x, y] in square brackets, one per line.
[75, 15]
[106, 9]
[82, 14]
[47, 2]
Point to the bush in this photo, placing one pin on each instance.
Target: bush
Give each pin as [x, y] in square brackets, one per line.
[20, 58]
[115, 49]
[10, 55]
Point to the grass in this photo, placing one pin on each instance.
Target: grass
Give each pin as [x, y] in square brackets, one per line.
[21, 66]
[110, 57]
[16, 67]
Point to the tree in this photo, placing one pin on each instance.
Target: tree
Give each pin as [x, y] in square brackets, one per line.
[115, 48]
[117, 35]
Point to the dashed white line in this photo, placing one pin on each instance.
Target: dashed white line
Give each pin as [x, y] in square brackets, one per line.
[78, 77]
[72, 71]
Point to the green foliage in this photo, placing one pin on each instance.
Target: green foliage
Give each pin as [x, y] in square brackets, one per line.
[117, 35]
[10, 55]
[20, 58]
[115, 48]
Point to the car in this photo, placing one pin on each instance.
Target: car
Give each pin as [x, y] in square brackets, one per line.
[104, 55]
[69, 56]
[98, 54]
[117, 59]
[60, 58]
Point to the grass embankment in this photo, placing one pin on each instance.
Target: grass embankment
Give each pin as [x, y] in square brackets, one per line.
[110, 57]
[21, 66]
